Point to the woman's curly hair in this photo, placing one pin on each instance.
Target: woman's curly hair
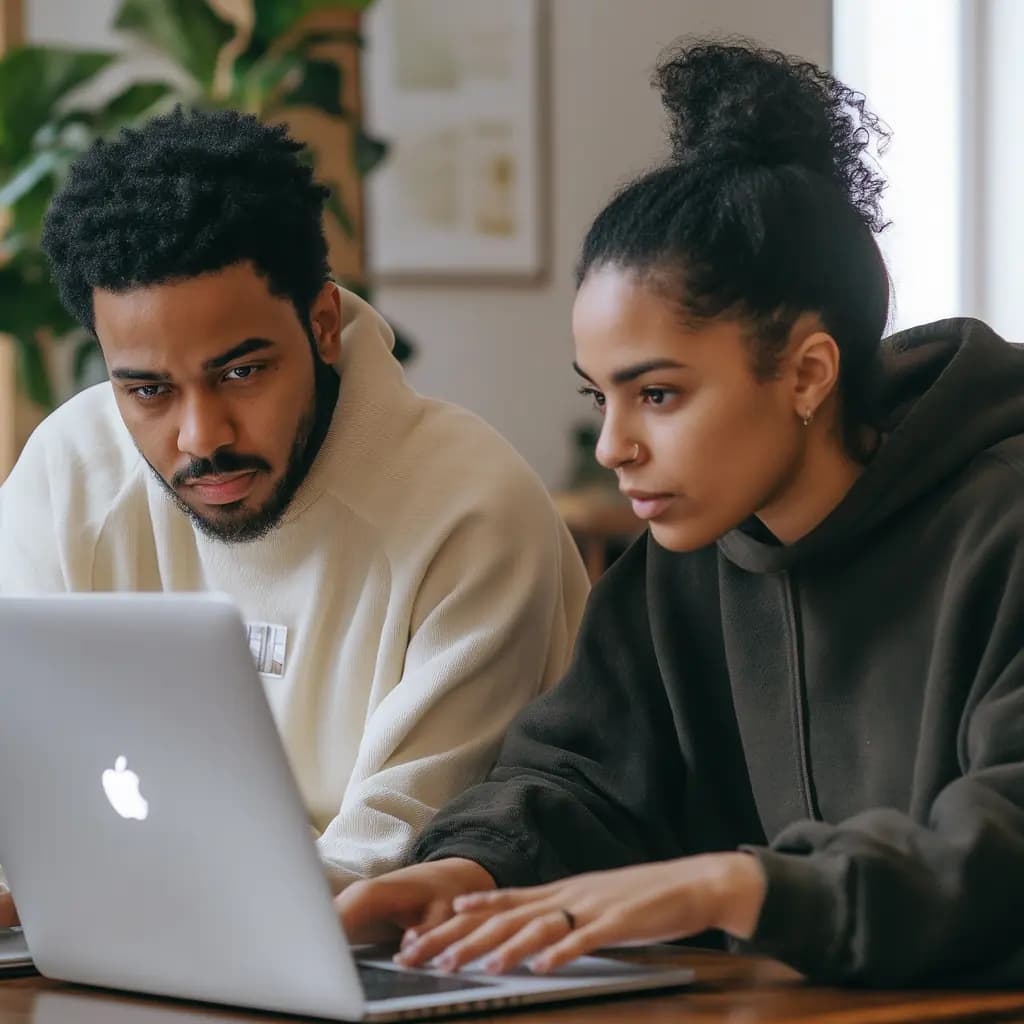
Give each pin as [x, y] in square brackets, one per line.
[744, 103]
[766, 209]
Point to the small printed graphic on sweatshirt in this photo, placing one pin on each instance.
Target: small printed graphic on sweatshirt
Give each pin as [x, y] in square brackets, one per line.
[268, 643]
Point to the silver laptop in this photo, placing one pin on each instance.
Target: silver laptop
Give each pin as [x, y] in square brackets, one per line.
[14, 955]
[154, 838]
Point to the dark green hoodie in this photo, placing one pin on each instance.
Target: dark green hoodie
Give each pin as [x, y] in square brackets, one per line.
[850, 707]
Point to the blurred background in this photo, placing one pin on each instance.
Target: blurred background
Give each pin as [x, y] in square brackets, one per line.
[469, 144]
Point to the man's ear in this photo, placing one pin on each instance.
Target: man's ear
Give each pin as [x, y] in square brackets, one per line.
[325, 318]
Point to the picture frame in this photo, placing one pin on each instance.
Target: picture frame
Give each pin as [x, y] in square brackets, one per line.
[455, 87]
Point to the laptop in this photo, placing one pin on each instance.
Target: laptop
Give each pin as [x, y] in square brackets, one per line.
[14, 955]
[154, 837]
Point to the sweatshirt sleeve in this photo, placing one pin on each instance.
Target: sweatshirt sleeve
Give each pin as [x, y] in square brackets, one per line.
[574, 788]
[32, 555]
[493, 625]
[887, 898]
[883, 900]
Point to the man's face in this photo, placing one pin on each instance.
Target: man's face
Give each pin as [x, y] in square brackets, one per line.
[215, 378]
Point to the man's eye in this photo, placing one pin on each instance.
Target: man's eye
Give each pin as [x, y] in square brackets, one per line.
[147, 392]
[241, 372]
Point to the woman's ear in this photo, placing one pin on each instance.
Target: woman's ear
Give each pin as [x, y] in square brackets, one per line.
[325, 318]
[815, 365]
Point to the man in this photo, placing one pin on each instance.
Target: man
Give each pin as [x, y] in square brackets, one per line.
[400, 565]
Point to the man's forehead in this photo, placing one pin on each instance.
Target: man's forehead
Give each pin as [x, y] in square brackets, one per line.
[197, 324]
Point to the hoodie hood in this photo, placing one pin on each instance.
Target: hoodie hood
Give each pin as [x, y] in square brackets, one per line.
[951, 390]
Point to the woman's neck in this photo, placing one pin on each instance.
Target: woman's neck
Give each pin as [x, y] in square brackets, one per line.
[824, 477]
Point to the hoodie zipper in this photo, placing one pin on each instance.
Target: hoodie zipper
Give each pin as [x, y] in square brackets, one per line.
[798, 702]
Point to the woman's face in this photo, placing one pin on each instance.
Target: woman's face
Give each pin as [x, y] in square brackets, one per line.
[713, 444]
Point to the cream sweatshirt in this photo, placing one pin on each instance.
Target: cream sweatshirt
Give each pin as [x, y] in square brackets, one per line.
[426, 585]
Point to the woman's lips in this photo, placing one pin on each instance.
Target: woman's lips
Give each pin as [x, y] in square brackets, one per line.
[224, 490]
[649, 506]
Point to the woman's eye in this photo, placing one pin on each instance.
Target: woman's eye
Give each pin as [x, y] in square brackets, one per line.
[595, 396]
[657, 396]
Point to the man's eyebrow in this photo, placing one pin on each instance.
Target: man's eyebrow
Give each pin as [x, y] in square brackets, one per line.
[628, 373]
[124, 373]
[243, 348]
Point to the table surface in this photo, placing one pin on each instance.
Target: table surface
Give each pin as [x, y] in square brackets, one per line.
[734, 989]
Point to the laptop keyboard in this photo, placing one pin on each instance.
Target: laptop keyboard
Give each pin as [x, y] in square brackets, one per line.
[380, 983]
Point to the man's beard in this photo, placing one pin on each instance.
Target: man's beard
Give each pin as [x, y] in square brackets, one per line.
[257, 523]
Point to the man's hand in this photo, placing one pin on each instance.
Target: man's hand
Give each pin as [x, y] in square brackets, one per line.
[408, 902]
[556, 923]
[8, 912]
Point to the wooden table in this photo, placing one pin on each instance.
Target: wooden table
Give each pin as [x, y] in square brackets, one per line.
[733, 989]
[595, 516]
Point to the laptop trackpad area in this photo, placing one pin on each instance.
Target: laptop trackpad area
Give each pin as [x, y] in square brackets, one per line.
[381, 983]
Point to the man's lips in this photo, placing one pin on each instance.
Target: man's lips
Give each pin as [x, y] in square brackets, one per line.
[649, 505]
[223, 490]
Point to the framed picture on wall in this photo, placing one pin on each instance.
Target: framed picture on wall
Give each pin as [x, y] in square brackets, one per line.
[454, 87]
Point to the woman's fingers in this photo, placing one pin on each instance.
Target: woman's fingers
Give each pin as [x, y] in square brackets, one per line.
[603, 932]
[492, 934]
[424, 946]
[533, 937]
[436, 914]
[497, 900]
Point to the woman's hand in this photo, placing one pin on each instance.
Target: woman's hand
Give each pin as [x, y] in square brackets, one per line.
[411, 899]
[558, 922]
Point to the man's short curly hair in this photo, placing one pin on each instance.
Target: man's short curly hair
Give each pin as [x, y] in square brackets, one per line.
[188, 193]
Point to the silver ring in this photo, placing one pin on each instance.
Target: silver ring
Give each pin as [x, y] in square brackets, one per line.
[570, 919]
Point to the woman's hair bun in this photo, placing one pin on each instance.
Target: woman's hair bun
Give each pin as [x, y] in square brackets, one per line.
[735, 103]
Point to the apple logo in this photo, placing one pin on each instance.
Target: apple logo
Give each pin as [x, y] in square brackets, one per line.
[122, 789]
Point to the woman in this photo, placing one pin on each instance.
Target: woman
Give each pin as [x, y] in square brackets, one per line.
[796, 710]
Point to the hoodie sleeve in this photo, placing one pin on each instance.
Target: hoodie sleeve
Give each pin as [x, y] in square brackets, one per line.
[492, 626]
[574, 788]
[884, 898]
[33, 556]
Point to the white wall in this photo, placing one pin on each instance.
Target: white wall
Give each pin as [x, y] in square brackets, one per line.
[925, 245]
[1001, 199]
[72, 22]
[505, 352]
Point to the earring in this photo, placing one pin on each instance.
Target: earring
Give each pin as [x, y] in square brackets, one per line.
[807, 417]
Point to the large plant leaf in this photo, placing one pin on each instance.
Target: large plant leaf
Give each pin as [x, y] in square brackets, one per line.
[273, 18]
[320, 87]
[257, 85]
[190, 32]
[341, 215]
[368, 152]
[29, 303]
[131, 104]
[87, 355]
[32, 81]
[26, 219]
[27, 177]
[32, 373]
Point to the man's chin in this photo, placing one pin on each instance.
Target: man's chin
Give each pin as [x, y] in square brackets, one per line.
[233, 522]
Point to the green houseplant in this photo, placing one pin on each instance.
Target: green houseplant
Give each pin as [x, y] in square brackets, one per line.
[46, 120]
